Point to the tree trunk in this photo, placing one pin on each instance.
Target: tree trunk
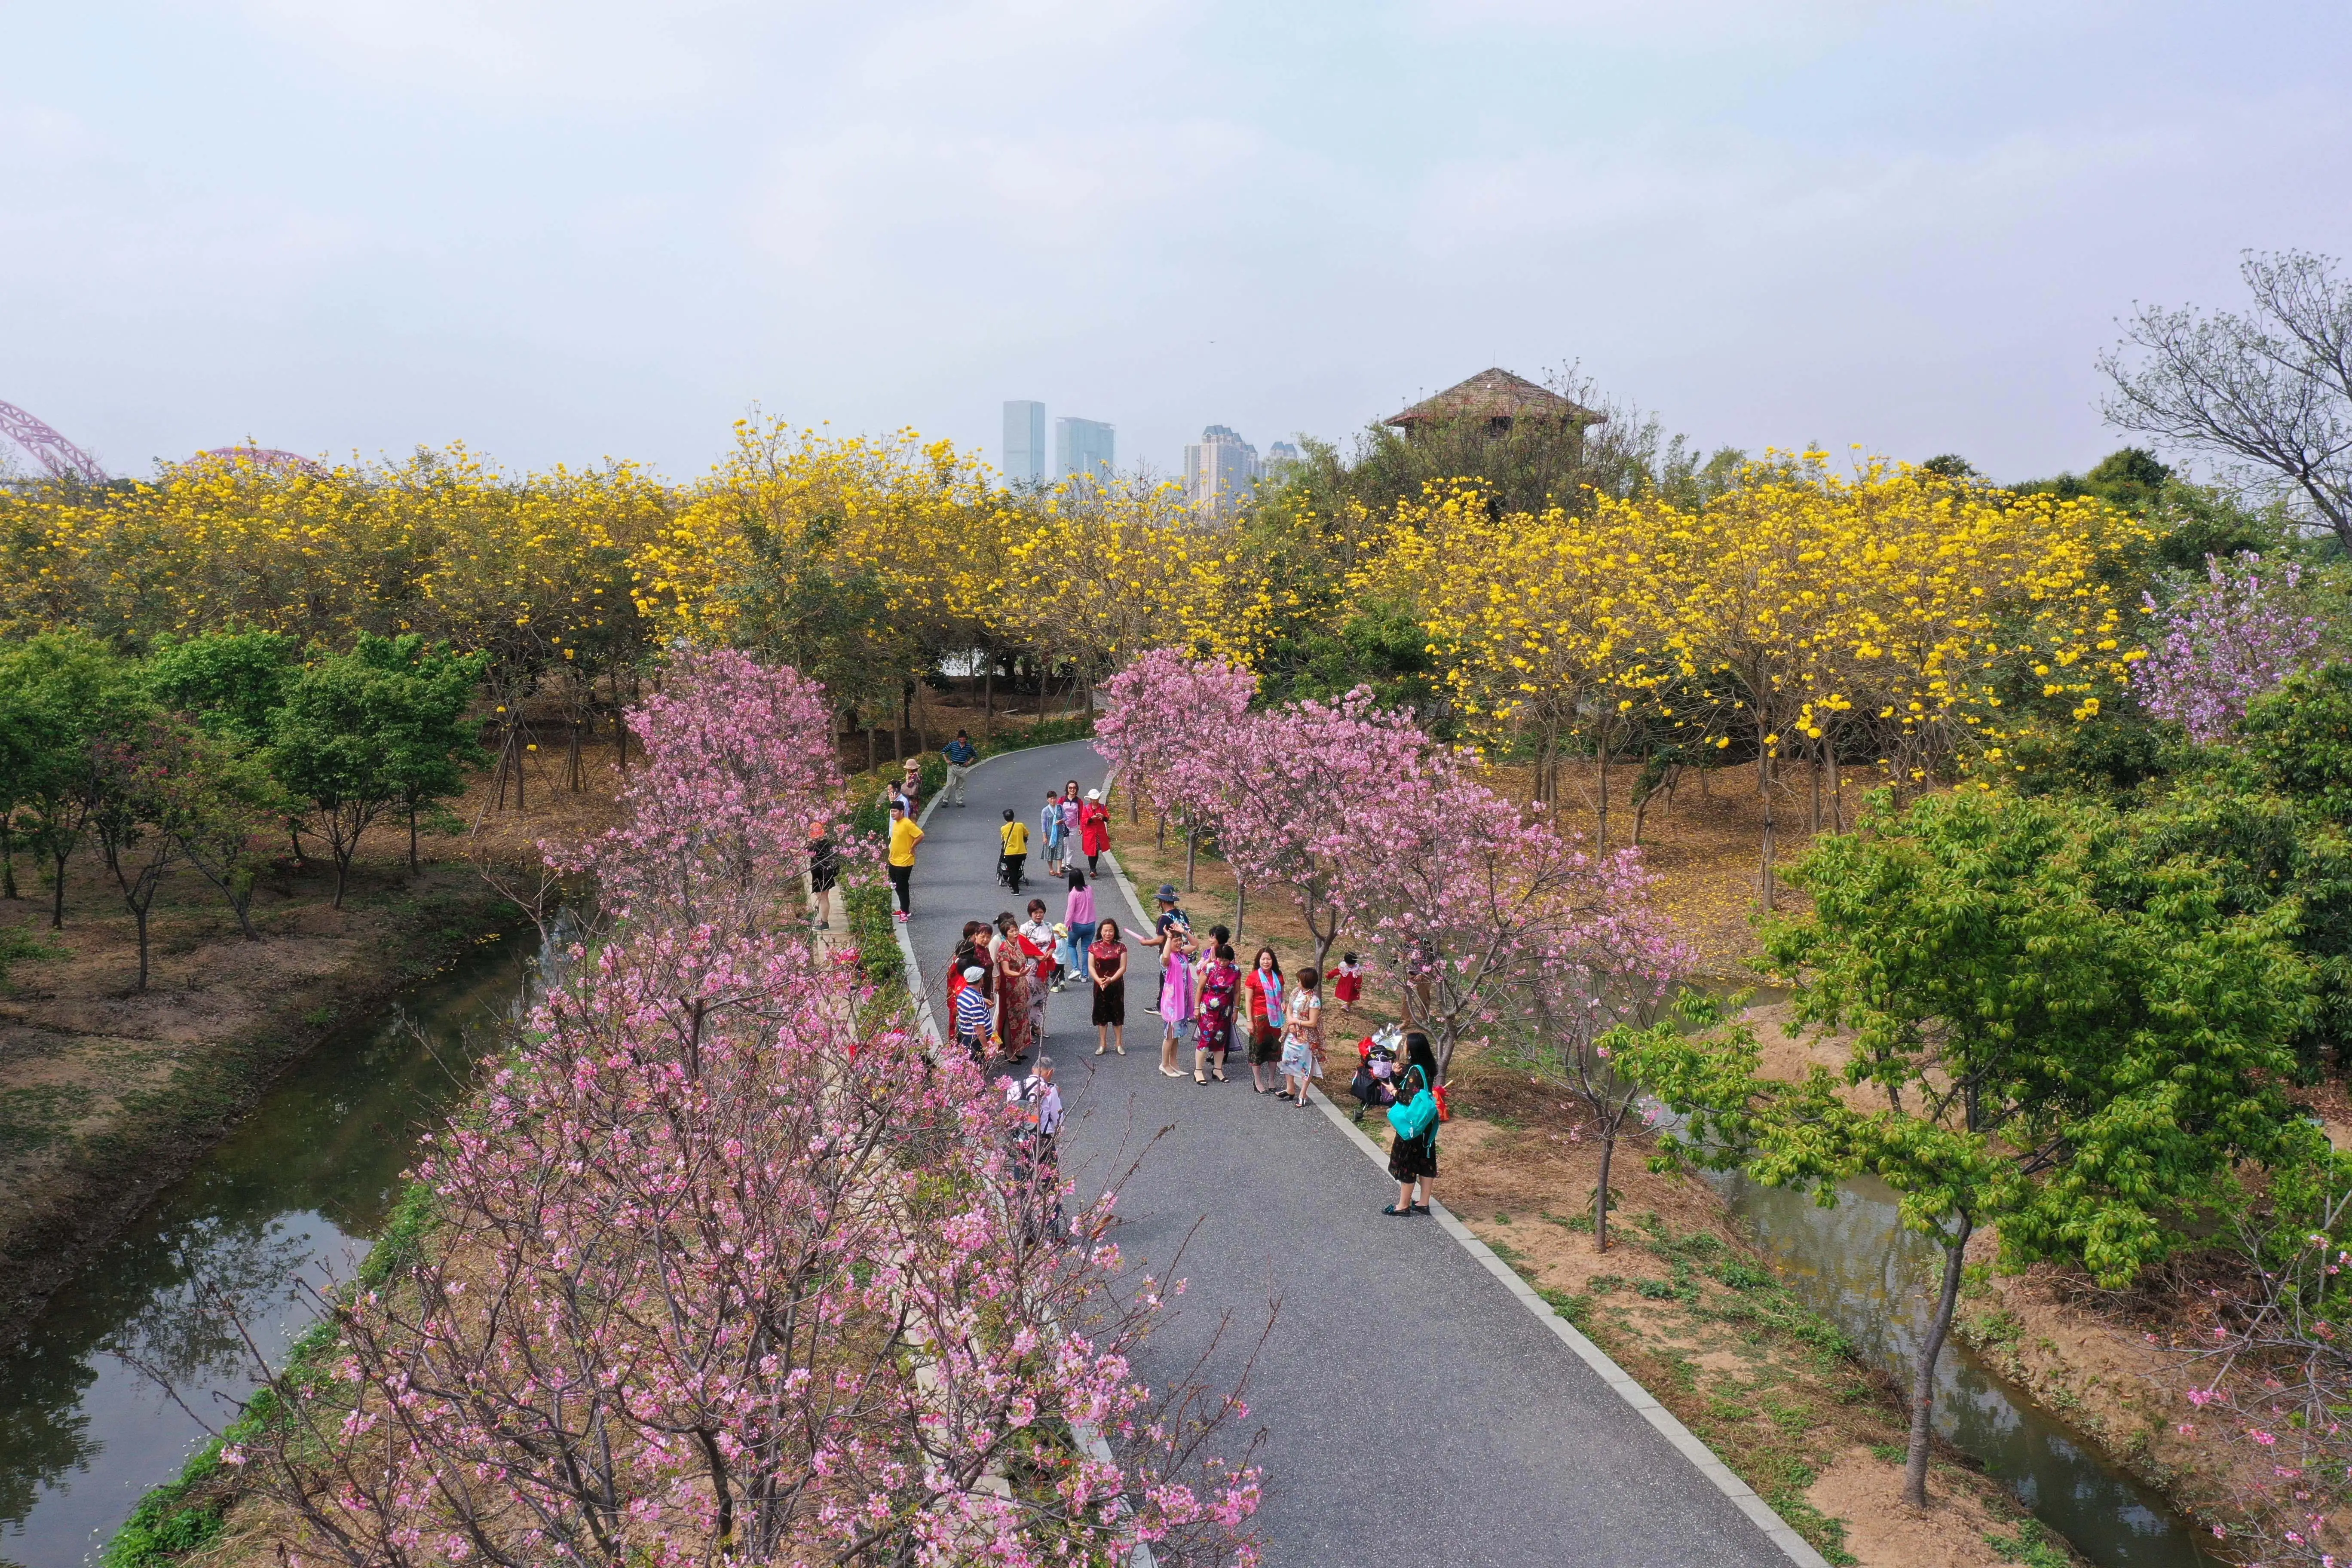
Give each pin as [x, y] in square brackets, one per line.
[1764, 874]
[58, 907]
[1192, 854]
[1241, 904]
[898, 753]
[139, 914]
[412, 866]
[571, 761]
[521, 752]
[1814, 812]
[1600, 1196]
[8, 859]
[871, 762]
[1923, 1377]
[988, 698]
[1600, 758]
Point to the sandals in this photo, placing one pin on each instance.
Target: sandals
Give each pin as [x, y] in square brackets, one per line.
[1399, 1213]
[1201, 1079]
[1220, 1078]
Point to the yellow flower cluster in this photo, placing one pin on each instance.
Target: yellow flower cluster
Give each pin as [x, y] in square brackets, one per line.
[581, 570]
[1809, 611]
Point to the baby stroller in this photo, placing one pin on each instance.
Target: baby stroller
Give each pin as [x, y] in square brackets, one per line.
[1011, 870]
[1374, 1085]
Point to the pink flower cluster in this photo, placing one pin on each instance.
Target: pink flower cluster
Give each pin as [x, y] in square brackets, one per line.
[1375, 828]
[724, 1269]
[2222, 646]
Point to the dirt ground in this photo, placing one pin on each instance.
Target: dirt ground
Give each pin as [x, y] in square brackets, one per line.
[1680, 1299]
[108, 1093]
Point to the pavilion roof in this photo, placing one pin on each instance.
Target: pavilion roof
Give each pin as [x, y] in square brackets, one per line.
[1495, 394]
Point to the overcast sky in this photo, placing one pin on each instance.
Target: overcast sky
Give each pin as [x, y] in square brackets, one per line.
[561, 229]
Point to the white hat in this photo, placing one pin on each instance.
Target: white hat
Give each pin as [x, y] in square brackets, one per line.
[975, 973]
[1094, 795]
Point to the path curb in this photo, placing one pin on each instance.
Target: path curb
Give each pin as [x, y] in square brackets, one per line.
[1743, 1497]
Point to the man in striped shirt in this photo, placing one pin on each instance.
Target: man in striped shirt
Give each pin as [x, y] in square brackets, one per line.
[972, 1013]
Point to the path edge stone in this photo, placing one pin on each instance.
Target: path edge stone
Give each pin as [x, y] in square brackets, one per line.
[1743, 1497]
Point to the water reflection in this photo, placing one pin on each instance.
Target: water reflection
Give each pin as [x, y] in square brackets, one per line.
[292, 1198]
[1855, 1265]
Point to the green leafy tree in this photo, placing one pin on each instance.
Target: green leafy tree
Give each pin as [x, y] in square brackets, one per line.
[378, 728]
[213, 799]
[230, 682]
[2071, 1041]
[60, 694]
[126, 815]
[431, 740]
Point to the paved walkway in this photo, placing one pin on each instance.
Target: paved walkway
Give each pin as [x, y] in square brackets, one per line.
[1416, 1412]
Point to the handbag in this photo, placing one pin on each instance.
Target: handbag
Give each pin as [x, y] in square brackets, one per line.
[1414, 1117]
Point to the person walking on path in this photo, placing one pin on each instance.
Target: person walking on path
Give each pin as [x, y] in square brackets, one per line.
[1014, 968]
[824, 876]
[973, 1016]
[1012, 865]
[1413, 1157]
[1176, 999]
[1078, 922]
[1302, 1044]
[1212, 1009]
[1094, 829]
[1049, 830]
[1264, 989]
[1106, 966]
[904, 836]
[1170, 919]
[961, 756]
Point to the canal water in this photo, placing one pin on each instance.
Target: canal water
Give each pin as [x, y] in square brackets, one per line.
[294, 1197]
[1856, 1266]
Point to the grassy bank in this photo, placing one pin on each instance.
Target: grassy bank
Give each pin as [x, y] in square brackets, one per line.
[109, 1093]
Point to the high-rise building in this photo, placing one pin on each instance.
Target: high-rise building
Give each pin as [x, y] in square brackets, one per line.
[1025, 441]
[1084, 448]
[1219, 469]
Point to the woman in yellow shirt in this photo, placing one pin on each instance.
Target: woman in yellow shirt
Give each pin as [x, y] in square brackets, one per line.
[904, 836]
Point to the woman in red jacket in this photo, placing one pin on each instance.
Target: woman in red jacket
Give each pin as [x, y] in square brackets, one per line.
[1094, 828]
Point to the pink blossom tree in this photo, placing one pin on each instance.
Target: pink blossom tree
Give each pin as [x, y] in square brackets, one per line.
[2222, 646]
[723, 1269]
[1302, 782]
[1478, 908]
[1604, 968]
[2275, 1379]
[1170, 726]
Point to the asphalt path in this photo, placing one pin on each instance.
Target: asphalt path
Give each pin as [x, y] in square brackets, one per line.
[1415, 1411]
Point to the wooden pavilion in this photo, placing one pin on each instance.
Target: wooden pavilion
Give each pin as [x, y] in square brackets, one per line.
[1499, 398]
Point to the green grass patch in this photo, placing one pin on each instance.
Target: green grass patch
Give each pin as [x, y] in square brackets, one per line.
[2031, 1546]
[32, 1119]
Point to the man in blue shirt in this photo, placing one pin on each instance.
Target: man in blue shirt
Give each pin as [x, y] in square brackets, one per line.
[961, 756]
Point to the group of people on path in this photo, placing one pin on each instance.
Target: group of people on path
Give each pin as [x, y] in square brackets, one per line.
[1004, 971]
